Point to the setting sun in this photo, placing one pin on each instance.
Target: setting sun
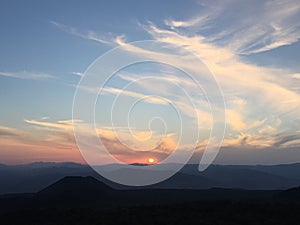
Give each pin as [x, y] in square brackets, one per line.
[151, 160]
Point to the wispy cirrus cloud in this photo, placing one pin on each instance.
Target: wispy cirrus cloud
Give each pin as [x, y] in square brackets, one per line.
[7, 131]
[188, 23]
[256, 96]
[253, 93]
[148, 98]
[80, 74]
[232, 24]
[107, 39]
[27, 75]
[123, 92]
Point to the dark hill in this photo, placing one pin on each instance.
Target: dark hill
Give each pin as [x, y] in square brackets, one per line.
[75, 185]
[84, 191]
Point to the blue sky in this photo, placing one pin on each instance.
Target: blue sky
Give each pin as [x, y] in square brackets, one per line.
[252, 48]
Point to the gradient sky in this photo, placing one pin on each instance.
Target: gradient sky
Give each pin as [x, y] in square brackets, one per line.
[252, 48]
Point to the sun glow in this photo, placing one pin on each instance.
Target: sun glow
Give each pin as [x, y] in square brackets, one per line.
[151, 160]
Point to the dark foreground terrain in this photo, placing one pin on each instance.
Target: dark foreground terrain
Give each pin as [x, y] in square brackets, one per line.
[200, 213]
[87, 201]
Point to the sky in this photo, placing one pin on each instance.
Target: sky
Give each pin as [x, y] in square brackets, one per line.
[251, 48]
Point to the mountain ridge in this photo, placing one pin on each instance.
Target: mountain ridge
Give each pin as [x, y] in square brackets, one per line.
[34, 177]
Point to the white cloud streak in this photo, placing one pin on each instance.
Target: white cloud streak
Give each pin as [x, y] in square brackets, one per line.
[27, 75]
[246, 27]
[90, 35]
[80, 74]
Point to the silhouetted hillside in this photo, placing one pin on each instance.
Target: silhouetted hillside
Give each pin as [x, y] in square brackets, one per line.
[75, 185]
[85, 200]
[85, 192]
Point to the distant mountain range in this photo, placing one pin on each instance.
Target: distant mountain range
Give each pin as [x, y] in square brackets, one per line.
[31, 178]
